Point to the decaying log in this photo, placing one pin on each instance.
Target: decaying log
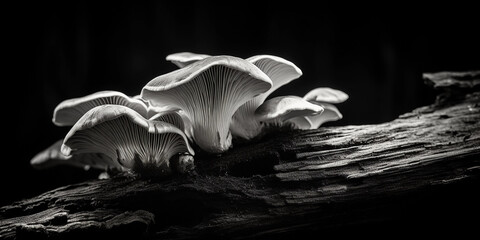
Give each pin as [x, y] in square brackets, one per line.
[367, 178]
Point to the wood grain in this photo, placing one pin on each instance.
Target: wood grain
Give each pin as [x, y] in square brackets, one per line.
[395, 176]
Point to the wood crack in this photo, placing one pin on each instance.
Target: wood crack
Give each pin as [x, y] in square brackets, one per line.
[404, 173]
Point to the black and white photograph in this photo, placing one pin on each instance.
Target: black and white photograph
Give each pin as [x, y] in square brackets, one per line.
[240, 120]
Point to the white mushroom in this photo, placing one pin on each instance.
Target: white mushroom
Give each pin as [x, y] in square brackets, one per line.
[127, 137]
[280, 109]
[52, 156]
[209, 92]
[183, 59]
[69, 111]
[327, 95]
[330, 114]
[172, 117]
[323, 97]
[281, 72]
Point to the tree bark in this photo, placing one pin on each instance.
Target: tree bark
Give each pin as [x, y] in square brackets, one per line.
[418, 172]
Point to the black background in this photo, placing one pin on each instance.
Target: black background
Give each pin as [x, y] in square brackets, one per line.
[374, 52]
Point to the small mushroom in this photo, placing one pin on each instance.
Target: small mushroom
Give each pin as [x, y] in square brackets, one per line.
[128, 138]
[52, 156]
[279, 109]
[327, 95]
[183, 59]
[281, 72]
[208, 92]
[69, 111]
[330, 114]
[324, 97]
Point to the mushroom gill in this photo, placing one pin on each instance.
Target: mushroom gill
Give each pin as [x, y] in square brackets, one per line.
[52, 156]
[127, 138]
[324, 97]
[280, 109]
[281, 72]
[209, 91]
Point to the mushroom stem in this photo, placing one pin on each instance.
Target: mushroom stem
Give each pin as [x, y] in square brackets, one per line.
[244, 122]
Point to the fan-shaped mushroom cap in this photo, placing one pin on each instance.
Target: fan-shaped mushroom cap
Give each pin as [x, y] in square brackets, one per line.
[69, 111]
[127, 137]
[324, 97]
[52, 156]
[281, 72]
[282, 108]
[327, 95]
[172, 117]
[183, 59]
[209, 92]
[330, 113]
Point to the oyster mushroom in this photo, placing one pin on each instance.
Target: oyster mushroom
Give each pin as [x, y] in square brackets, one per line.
[183, 59]
[330, 114]
[281, 72]
[69, 111]
[280, 109]
[323, 97]
[52, 156]
[327, 95]
[128, 138]
[209, 92]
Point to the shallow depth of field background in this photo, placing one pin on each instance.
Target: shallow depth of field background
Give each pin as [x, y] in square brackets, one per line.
[375, 53]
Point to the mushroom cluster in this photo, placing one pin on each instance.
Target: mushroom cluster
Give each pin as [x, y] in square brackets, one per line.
[203, 105]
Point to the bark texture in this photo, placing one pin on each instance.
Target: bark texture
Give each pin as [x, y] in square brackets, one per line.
[418, 172]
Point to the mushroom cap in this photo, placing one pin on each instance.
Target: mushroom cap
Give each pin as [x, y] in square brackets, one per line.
[209, 92]
[69, 111]
[331, 113]
[125, 136]
[327, 95]
[52, 156]
[194, 71]
[172, 117]
[281, 72]
[183, 59]
[282, 108]
[175, 117]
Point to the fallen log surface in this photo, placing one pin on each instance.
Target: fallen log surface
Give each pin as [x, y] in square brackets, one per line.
[418, 172]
